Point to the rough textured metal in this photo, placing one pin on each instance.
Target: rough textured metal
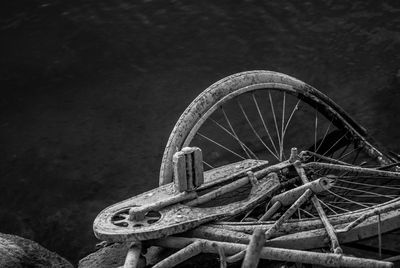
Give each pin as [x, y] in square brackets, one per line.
[368, 214]
[295, 226]
[179, 163]
[182, 255]
[132, 259]
[366, 171]
[188, 169]
[288, 213]
[271, 211]
[253, 251]
[287, 198]
[138, 213]
[176, 218]
[278, 223]
[300, 234]
[291, 233]
[321, 213]
[231, 172]
[279, 254]
[316, 238]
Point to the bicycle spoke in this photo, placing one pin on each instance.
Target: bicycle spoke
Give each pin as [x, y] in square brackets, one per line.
[355, 157]
[263, 122]
[276, 124]
[254, 131]
[306, 212]
[234, 135]
[120, 221]
[361, 191]
[339, 208]
[327, 206]
[208, 165]
[348, 153]
[220, 145]
[370, 185]
[328, 159]
[366, 203]
[343, 151]
[315, 131]
[369, 196]
[344, 198]
[295, 108]
[282, 125]
[335, 143]
[323, 139]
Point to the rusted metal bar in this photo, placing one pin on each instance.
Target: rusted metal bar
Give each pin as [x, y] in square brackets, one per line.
[287, 198]
[278, 254]
[328, 226]
[393, 259]
[271, 211]
[379, 236]
[222, 256]
[300, 226]
[368, 171]
[182, 255]
[275, 227]
[293, 208]
[253, 251]
[133, 256]
[274, 168]
[370, 213]
[219, 234]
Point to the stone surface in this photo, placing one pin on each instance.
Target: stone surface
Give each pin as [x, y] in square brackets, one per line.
[18, 252]
[113, 255]
[106, 257]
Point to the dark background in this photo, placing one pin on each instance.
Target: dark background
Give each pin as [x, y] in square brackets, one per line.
[90, 90]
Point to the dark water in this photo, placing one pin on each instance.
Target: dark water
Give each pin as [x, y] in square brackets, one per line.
[91, 90]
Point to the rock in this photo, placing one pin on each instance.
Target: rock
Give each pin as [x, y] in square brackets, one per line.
[108, 256]
[18, 252]
[113, 255]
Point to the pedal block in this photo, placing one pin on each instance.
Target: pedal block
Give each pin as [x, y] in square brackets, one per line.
[188, 169]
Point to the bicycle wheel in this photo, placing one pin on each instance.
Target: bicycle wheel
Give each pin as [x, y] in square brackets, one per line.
[261, 115]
